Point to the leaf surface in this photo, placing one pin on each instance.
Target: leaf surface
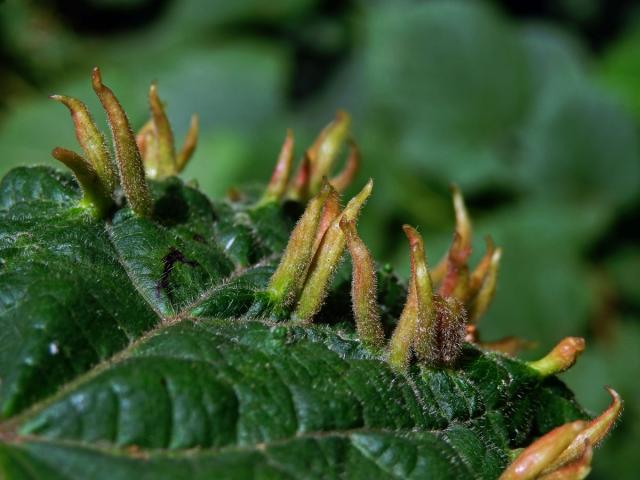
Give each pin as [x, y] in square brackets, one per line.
[127, 352]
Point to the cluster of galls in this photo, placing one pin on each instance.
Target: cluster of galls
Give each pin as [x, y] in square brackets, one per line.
[443, 304]
[151, 153]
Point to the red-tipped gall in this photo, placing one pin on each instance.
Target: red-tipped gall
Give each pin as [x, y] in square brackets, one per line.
[324, 152]
[280, 177]
[343, 179]
[189, 145]
[541, 453]
[561, 358]
[299, 186]
[595, 430]
[160, 155]
[480, 304]
[477, 277]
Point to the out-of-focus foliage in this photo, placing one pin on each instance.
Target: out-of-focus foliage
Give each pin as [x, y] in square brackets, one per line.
[536, 121]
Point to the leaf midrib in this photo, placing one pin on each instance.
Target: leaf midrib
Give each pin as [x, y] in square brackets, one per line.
[235, 448]
[11, 435]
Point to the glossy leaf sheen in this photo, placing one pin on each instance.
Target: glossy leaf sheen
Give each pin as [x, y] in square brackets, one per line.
[125, 352]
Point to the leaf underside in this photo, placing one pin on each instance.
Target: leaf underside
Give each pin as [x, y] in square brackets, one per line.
[126, 351]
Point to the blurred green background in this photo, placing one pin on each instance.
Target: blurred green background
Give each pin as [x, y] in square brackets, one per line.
[533, 108]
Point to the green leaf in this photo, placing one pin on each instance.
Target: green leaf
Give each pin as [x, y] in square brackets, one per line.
[128, 351]
[619, 67]
[448, 81]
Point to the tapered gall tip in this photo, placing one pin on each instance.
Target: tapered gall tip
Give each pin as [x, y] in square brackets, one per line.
[330, 136]
[541, 453]
[299, 186]
[463, 223]
[160, 155]
[96, 78]
[318, 161]
[343, 179]
[419, 269]
[156, 143]
[354, 206]
[330, 212]
[456, 279]
[363, 288]
[453, 271]
[324, 151]
[600, 426]
[480, 272]
[595, 431]
[280, 177]
[415, 239]
[487, 290]
[561, 358]
[95, 196]
[74, 105]
[79, 166]
[189, 145]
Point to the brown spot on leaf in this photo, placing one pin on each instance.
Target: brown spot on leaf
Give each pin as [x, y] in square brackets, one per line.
[170, 259]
